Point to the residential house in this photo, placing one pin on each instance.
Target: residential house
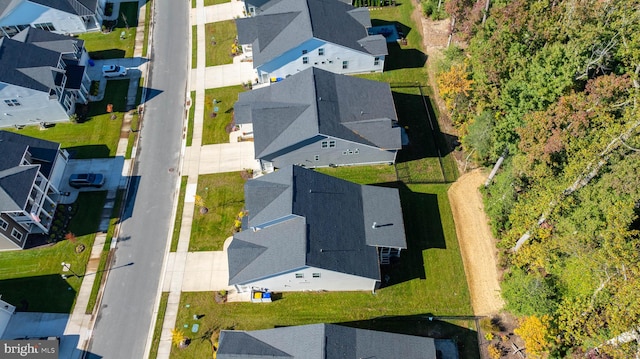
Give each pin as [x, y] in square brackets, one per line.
[58, 16]
[42, 77]
[289, 36]
[317, 119]
[309, 231]
[323, 341]
[30, 174]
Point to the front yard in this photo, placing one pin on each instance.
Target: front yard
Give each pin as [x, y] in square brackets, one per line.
[219, 39]
[217, 123]
[31, 279]
[223, 195]
[95, 137]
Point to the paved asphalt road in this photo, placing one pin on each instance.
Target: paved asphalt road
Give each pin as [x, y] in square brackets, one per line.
[125, 315]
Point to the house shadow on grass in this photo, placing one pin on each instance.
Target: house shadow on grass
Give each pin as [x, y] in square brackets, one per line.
[442, 329]
[423, 230]
[107, 54]
[88, 151]
[47, 293]
[416, 116]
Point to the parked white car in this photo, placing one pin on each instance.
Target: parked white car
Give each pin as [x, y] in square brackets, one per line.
[114, 71]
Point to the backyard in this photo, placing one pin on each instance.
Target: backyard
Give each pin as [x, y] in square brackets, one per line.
[31, 279]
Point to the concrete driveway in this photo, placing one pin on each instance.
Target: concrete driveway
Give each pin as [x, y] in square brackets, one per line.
[219, 12]
[110, 168]
[225, 75]
[225, 157]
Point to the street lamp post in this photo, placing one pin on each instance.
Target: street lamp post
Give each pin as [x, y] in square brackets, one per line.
[68, 267]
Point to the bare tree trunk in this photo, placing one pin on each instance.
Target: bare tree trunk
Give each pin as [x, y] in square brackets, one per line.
[486, 11]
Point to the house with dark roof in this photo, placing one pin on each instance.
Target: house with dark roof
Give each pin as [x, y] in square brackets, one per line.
[323, 341]
[309, 231]
[30, 174]
[317, 119]
[58, 16]
[42, 77]
[288, 36]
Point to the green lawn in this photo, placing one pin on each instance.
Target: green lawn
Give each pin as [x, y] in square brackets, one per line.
[147, 18]
[112, 45]
[157, 330]
[194, 46]
[406, 63]
[223, 195]
[190, 124]
[104, 256]
[97, 136]
[215, 2]
[362, 174]
[31, 278]
[429, 280]
[177, 224]
[219, 38]
[215, 125]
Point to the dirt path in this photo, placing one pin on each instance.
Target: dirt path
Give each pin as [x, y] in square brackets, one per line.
[477, 245]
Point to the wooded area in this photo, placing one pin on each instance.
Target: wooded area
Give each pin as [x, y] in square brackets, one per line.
[554, 85]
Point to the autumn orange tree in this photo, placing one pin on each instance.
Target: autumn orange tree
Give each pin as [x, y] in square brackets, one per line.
[454, 85]
[537, 334]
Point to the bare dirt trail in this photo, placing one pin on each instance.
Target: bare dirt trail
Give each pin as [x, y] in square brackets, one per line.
[477, 245]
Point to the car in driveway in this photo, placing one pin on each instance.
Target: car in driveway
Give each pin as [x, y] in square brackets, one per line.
[114, 71]
[80, 180]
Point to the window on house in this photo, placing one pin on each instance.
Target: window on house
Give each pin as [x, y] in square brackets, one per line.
[328, 144]
[45, 26]
[316, 275]
[12, 102]
[299, 275]
[376, 61]
[316, 158]
[321, 52]
[356, 151]
[345, 64]
[305, 60]
[304, 52]
[16, 234]
[3, 224]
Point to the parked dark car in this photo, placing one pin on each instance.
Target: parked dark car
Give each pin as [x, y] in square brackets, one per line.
[80, 180]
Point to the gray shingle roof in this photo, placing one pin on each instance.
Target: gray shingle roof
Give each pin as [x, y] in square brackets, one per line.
[285, 24]
[325, 222]
[49, 40]
[323, 341]
[15, 186]
[13, 147]
[78, 7]
[317, 102]
[27, 65]
[7, 5]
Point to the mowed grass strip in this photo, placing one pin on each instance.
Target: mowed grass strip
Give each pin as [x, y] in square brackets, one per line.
[223, 196]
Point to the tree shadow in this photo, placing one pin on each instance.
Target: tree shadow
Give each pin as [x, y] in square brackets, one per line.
[46, 293]
[451, 340]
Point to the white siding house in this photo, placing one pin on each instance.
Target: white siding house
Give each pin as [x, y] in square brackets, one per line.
[289, 36]
[310, 231]
[58, 16]
[42, 77]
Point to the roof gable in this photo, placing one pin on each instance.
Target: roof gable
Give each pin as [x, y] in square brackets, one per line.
[77, 7]
[15, 186]
[28, 65]
[241, 343]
